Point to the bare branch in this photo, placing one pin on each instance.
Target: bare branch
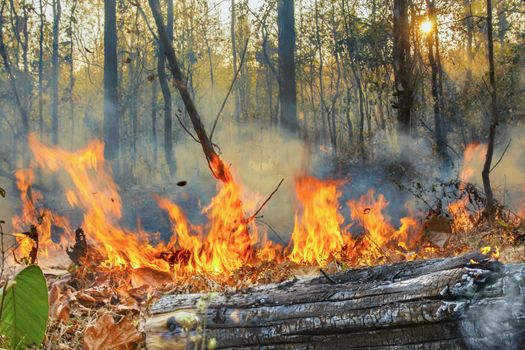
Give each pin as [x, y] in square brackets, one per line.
[230, 89]
[501, 157]
[264, 203]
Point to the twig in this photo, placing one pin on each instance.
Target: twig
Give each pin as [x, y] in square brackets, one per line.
[501, 157]
[186, 129]
[258, 220]
[266, 201]
[230, 89]
[145, 18]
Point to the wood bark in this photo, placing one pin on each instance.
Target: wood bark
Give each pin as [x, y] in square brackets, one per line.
[466, 302]
[219, 170]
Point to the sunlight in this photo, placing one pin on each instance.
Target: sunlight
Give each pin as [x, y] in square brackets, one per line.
[426, 26]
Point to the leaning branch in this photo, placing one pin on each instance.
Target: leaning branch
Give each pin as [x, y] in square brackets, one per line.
[217, 167]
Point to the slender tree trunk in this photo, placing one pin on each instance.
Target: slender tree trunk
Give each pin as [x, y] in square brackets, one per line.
[154, 121]
[503, 23]
[166, 93]
[41, 71]
[402, 72]
[237, 111]
[485, 174]
[55, 71]
[469, 23]
[24, 114]
[322, 107]
[71, 73]
[439, 132]
[286, 48]
[111, 104]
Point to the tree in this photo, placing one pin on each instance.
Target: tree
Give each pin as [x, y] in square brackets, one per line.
[436, 86]
[166, 93]
[286, 49]
[41, 70]
[111, 115]
[55, 71]
[485, 174]
[402, 72]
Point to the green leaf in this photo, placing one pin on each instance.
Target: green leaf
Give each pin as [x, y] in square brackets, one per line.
[2, 192]
[25, 309]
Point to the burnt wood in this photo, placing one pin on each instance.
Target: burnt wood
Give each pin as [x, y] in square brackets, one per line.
[465, 302]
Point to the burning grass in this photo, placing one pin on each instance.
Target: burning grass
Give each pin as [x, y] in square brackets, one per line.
[116, 272]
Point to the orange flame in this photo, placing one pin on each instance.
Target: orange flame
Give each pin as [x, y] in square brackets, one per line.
[229, 240]
[317, 234]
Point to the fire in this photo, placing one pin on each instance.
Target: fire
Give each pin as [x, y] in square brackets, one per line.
[324, 231]
[41, 219]
[380, 237]
[317, 235]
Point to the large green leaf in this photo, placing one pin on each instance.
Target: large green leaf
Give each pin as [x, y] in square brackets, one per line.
[25, 309]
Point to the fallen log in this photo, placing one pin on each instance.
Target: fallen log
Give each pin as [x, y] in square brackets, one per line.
[466, 302]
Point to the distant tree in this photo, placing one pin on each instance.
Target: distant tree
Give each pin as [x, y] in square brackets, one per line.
[55, 71]
[166, 93]
[286, 49]
[111, 115]
[401, 63]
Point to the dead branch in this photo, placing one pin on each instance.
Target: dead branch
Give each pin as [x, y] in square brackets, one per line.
[216, 165]
[265, 202]
[501, 157]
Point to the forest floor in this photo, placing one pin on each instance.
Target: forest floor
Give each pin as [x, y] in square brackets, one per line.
[93, 309]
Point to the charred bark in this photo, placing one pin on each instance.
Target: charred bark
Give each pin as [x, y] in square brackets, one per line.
[456, 303]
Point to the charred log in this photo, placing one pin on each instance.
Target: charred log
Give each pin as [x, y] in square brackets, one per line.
[466, 302]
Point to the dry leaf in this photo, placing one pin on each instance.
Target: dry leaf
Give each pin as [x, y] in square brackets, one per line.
[59, 306]
[151, 277]
[105, 334]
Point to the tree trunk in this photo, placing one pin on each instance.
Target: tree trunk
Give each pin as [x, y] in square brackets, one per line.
[166, 93]
[286, 49]
[402, 72]
[71, 74]
[41, 71]
[237, 107]
[24, 114]
[111, 104]
[466, 302]
[485, 174]
[55, 71]
[154, 120]
[322, 106]
[439, 127]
